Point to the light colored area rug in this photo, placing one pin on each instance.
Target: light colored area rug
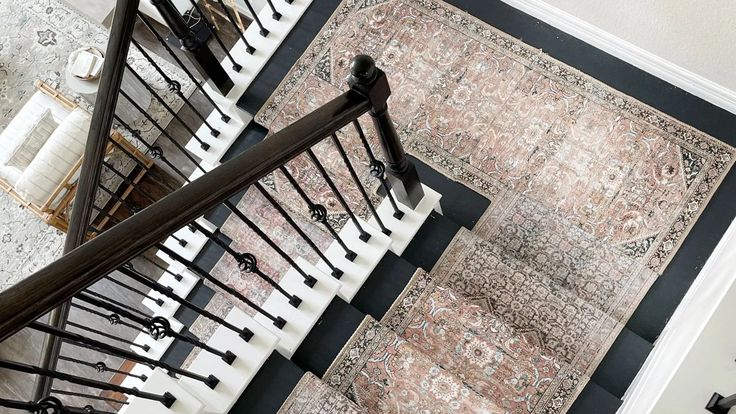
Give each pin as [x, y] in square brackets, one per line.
[37, 39]
[592, 192]
[510, 121]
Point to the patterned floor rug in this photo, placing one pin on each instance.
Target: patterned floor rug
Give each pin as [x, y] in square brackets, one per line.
[513, 123]
[592, 192]
[39, 37]
[312, 396]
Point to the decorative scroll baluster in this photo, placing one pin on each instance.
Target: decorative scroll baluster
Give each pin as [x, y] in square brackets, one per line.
[175, 87]
[248, 48]
[114, 302]
[378, 170]
[278, 321]
[364, 235]
[357, 182]
[166, 399]
[150, 171]
[225, 118]
[247, 263]
[309, 280]
[205, 146]
[318, 213]
[79, 340]
[145, 348]
[157, 327]
[336, 273]
[131, 272]
[102, 367]
[236, 66]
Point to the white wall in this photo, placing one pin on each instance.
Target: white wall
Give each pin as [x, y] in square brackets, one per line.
[690, 43]
[694, 356]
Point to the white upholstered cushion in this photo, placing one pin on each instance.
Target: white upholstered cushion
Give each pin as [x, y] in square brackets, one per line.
[29, 146]
[55, 159]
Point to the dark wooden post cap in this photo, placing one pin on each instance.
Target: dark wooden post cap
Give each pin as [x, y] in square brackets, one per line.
[363, 69]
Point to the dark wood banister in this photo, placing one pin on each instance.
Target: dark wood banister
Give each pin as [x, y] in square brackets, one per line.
[112, 76]
[56, 283]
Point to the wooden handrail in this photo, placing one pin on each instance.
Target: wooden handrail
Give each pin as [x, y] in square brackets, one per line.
[112, 76]
[58, 282]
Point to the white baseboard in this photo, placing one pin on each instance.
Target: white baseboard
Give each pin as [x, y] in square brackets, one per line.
[682, 78]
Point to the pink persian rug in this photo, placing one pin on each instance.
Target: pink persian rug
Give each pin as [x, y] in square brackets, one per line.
[516, 124]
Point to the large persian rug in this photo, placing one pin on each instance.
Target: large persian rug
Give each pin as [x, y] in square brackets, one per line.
[38, 38]
[592, 192]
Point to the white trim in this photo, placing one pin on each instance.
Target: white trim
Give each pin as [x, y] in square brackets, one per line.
[700, 303]
[682, 78]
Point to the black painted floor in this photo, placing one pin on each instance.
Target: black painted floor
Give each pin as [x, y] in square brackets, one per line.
[634, 343]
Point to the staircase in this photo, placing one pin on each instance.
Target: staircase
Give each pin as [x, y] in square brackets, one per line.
[410, 308]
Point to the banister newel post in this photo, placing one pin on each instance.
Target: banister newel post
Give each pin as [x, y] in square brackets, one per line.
[370, 81]
[198, 53]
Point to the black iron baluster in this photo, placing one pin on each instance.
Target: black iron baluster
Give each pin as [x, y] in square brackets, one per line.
[378, 170]
[102, 367]
[236, 66]
[263, 31]
[309, 280]
[175, 87]
[225, 118]
[357, 182]
[276, 15]
[149, 170]
[89, 397]
[205, 146]
[127, 180]
[131, 272]
[48, 405]
[79, 340]
[336, 273]
[157, 327]
[145, 348]
[113, 319]
[364, 235]
[166, 399]
[278, 321]
[318, 213]
[247, 263]
[159, 301]
[176, 276]
[115, 302]
[248, 48]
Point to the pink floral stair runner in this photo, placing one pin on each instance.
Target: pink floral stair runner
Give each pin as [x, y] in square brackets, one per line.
[312, 396]
[487, 354]
[384, 373]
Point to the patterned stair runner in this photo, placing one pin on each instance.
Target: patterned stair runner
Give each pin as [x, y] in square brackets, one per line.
[312, 396]
[482, 350]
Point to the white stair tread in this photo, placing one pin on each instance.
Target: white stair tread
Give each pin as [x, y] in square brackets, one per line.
[229, 133]
[195, 240]
[159, 383]
[265, 47]
[132, 382]
[250, 356]
[369, 254]
[181, 288]
[299, 321]
[404, 230]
